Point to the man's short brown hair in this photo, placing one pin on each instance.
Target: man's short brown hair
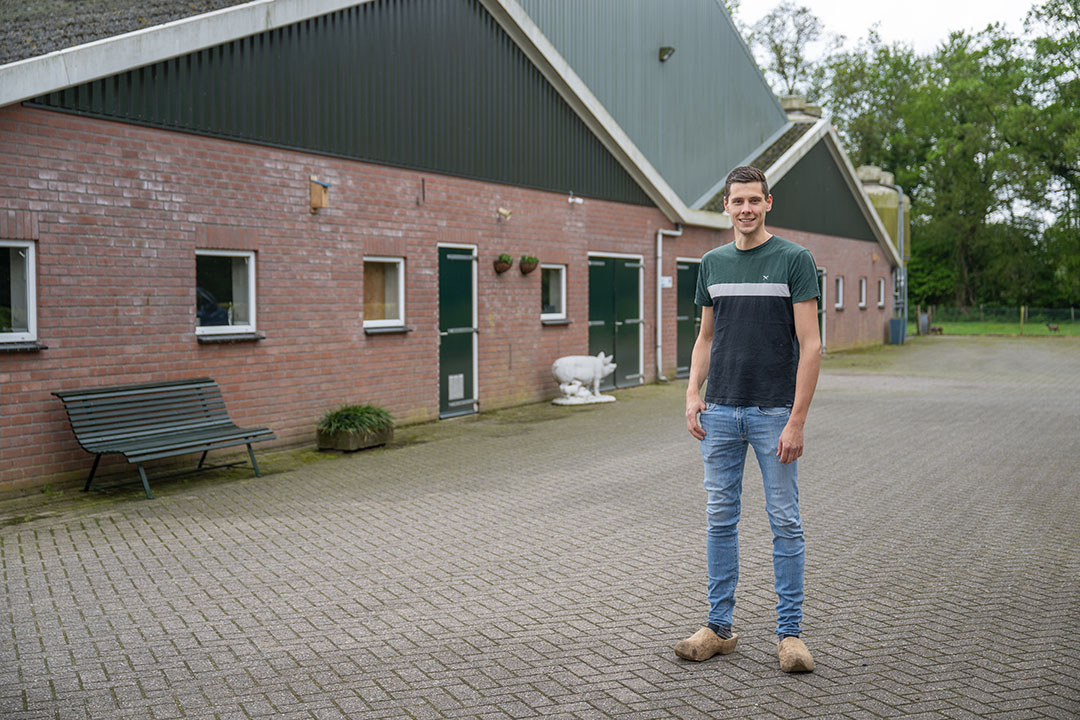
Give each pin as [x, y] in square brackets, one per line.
[746, 174]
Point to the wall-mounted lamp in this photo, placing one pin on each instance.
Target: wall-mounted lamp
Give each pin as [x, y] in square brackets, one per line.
[505, 213]
[666, 52]
[574, 199]
[320, 194]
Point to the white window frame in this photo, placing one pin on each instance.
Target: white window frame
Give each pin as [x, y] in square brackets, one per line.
[881, 292]
[562, 291]
[399, 321]
[232, 329]
[862, 292]
[31, 292]
[839, 302]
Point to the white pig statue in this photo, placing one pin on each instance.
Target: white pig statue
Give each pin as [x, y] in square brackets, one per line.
[579, 378]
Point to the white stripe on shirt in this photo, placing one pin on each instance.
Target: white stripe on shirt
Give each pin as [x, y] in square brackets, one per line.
[749, 289]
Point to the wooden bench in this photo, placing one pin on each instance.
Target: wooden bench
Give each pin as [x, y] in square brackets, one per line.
[156, 420]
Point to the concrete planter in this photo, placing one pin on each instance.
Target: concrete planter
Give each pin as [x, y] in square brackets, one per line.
[345, 441]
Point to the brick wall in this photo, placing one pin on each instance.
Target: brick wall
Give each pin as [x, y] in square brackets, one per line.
[851, 326]
[118, 211]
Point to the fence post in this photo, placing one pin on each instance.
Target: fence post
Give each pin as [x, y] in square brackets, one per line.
[1022, 313]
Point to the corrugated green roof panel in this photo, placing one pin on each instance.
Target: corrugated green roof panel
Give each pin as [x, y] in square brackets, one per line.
[813, 196]
[694, 116]
[428, 84]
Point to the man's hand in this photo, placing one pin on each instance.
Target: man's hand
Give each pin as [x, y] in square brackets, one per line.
[790, 447]
[694, 405]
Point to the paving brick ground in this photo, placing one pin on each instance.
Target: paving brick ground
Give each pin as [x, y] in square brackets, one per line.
[542, 562]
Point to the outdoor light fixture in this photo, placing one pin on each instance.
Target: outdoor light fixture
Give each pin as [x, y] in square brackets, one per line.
[574, 199]
[505, 212]
[666, 52]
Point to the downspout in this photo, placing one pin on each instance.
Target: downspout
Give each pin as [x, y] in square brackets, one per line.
[659, 303]
[900, 241]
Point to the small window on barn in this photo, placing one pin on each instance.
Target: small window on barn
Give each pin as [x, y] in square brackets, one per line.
[862, 293]
[384, 292]
[552, 292]
[881, 292]
[18, 294]
[838, 303]
[224, 292]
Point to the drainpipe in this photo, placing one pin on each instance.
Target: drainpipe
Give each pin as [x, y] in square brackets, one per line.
[900, 241]
[659, 303]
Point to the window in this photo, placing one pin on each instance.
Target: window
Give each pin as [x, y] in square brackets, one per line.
[839, 302]
[862, 293]
[881, 292]
[552, 292]
[18, 295]
[384, 292]
[224, 292]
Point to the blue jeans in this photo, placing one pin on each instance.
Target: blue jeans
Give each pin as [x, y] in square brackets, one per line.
[728, 429]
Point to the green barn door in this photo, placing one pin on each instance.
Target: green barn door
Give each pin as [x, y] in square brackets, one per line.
[628, 322]
[602, 311]
[615, 317]
[457, 332]
[687, 315]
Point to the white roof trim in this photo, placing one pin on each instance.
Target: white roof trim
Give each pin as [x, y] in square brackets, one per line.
[557, 71]
[36, 76]
[823, 130]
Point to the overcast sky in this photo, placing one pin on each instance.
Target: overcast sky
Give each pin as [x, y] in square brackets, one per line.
[921, 23]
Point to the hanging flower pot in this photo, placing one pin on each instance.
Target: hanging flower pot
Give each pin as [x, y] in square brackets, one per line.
[503, 263]
[527, 264]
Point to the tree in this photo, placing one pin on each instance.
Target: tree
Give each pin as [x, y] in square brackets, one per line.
[937, 121]
[784, 37]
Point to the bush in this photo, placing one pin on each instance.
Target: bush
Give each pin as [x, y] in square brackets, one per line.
[356, 419]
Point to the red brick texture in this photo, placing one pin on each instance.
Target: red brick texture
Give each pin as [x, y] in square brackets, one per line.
[118, 211]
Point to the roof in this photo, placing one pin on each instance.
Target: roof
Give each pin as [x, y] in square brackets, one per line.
[765, 157]
[40, 25]
[30, 28]
[693, 115]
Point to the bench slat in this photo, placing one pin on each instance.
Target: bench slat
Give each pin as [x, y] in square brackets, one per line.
[181, 448]
[118, 390]
[147, 435]
[177, 439]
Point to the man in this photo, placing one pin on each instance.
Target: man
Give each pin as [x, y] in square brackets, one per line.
[760, 350]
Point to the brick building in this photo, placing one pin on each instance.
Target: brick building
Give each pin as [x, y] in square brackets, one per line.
[303, 199]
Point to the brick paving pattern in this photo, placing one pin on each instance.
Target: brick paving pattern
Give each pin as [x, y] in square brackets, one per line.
[543, 562]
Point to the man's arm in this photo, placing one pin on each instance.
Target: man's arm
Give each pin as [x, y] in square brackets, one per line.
[790, 446]
[699, 370]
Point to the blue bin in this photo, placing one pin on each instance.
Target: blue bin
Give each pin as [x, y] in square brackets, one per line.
[897, 331]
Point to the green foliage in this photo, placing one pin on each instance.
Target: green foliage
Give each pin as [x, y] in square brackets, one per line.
[529, 259]
[505, 258]
[984, 136]
[356, 419]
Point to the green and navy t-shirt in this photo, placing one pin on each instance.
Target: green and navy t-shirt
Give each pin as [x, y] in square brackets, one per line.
[755, 351]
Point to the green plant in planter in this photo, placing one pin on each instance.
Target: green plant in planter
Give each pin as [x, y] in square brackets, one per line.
[503, 262]
[354, 427]
[528, 263]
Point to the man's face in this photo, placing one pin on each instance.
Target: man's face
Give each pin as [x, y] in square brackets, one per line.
[746, 205]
